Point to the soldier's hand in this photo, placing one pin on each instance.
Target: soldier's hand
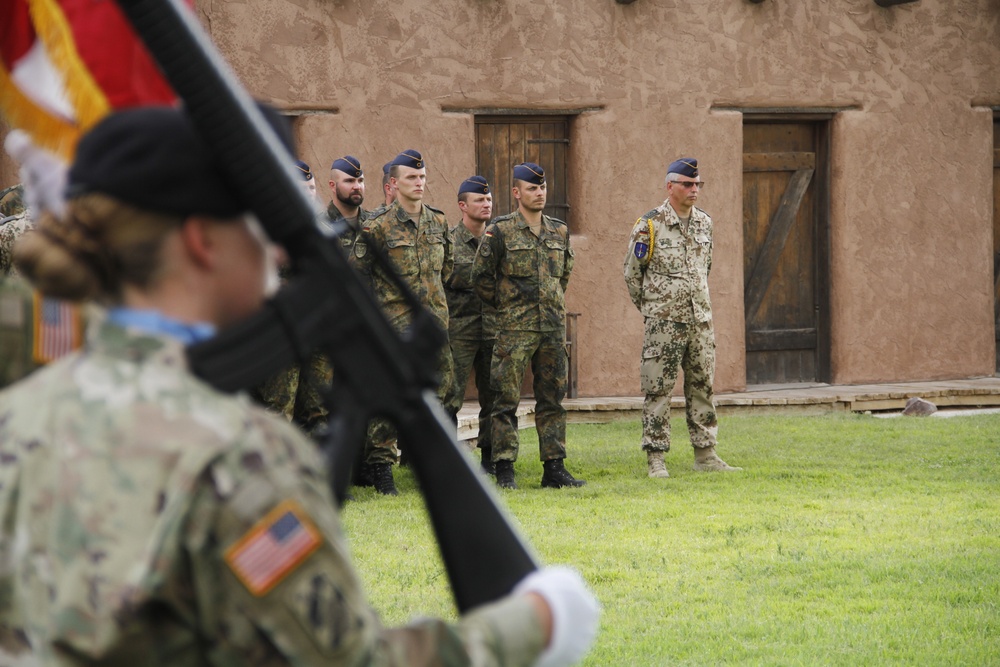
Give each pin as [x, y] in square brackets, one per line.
[575, 613]
[42, 173]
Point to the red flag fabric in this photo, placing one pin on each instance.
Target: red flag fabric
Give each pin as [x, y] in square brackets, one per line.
[64, 64]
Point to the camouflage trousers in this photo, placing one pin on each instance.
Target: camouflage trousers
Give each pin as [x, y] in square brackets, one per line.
[670, 346]
[474, 356]
[546, 352]
[380, 446]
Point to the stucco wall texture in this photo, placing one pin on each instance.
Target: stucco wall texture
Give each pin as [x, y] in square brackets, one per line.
[911, 158]
[914, 87]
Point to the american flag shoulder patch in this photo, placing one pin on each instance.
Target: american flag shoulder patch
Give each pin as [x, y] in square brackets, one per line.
[273, 547]
[56, 328]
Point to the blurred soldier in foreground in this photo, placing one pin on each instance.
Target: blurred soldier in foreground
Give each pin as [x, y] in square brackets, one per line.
[415, 238]
[666, 271]
[34, 330]
[150, 519]
[472, 323]
[522, 269]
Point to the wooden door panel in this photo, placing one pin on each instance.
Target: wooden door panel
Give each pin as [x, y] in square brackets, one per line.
[781, 258]
[503, 141]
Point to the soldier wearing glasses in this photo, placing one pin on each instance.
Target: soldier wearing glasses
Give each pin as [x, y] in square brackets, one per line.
[666, 271]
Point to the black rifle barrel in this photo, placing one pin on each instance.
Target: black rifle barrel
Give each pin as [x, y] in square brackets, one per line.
[483, 554]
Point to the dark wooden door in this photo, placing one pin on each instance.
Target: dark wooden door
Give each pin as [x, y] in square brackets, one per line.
[503, 141]
[784, 237]
[996, 232]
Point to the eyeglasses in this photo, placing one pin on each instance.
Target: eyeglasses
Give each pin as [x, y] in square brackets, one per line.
[687, 185]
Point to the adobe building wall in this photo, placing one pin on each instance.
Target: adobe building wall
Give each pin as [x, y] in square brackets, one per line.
[911, 157]
[911, 195]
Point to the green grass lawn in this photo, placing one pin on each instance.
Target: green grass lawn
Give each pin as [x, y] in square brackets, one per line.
[847, 540]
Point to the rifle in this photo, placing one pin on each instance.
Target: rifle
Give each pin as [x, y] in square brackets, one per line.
[326, 306]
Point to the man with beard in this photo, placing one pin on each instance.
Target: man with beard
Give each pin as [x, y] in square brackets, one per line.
[347, 185]
[522, 269]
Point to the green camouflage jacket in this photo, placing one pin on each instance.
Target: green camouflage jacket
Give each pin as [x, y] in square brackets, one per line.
[34, 330]
[525, 276]
[12, 201]
[667, 265]
[470, 318]
[10, 230]
[357, 254]
[147, 519]
[421, 253]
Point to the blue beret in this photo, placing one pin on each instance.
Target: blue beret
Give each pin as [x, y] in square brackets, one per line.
[154, 159]
[530, 173]
[475, 184]
[685, 166]
[303, 170]
[348, 164]
[409, 158]
[385, 168]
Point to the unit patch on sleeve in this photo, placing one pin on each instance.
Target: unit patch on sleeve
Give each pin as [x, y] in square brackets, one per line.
[640, 249]
[273, 547]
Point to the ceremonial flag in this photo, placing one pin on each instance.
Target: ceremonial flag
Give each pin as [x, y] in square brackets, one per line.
[64, 64]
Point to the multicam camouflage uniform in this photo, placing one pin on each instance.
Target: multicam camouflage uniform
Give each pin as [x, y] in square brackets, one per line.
[666, 271]
[525, 277]
[133, 497]
[422, 255]
[472, 331]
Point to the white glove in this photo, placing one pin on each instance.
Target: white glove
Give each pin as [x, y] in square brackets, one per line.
[42, 173]
[575, 613]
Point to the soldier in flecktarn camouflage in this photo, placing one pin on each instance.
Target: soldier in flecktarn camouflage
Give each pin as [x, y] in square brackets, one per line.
[666, 271]
[472, 324]
[522, 269]
[415, 238]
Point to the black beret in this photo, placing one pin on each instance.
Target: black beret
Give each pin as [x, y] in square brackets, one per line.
[409, 158]
[476, 184]
[685, 166]
[529, 172]
[154, 159]
[304, 171]
[348, 164]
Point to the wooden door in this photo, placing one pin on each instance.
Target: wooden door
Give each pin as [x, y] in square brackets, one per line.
[784, 237]
[503, 141]
[996, 232]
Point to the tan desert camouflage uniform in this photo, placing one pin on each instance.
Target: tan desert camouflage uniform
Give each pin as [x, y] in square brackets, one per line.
[147, 519]
[525, 277]
[666, 271]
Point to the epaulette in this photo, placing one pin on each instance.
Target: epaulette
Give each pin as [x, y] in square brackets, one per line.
[509, 216]
[561, 222]
[436, 210]
[652, 214]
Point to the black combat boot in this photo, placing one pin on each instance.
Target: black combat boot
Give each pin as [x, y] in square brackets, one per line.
[505, 475]
[556, 476]
[488, 467]
[382, 476]
[363, 474]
